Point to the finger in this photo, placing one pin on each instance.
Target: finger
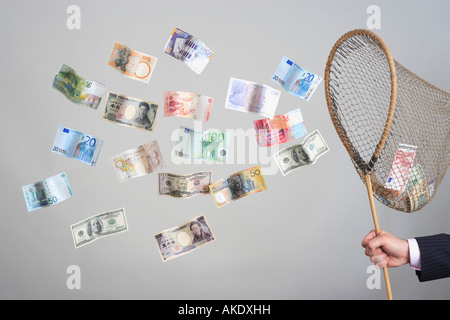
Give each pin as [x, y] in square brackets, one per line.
[375, 243]
[381, 258]
[375, 252]
[383, 263]
[367, 238]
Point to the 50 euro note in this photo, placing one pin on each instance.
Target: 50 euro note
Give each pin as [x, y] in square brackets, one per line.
[300, 155]
[138, 162]
[184, 186]
[184, 238]
[280, 129]
[247, 96]
[77, 89]
[188, 105]
[47, 192]
[98, 226]
[401, 167]
[132, 64]
[238, 185]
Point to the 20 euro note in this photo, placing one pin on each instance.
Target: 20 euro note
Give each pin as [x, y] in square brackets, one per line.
[237, 186]
[47, 192]
[184, 238]
[295, 80]
[188, 105]
[77, 89]
[77, 145]
[189, 49]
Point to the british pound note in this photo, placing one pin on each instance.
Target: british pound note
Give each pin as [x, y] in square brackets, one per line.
[132, 64]
[280, 129]
[184, 238]
[295, 80]
[249, 96]
[77, 145]
[138, 162]
[401, 167]
[300, 155]
[187, 48]
[131, 112]
[47, 192]
[77, 89]
[184, 186]
[188, 105]
[237, 186]
[99, 226]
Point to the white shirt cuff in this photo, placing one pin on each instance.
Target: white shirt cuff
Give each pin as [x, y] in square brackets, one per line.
[414, 254]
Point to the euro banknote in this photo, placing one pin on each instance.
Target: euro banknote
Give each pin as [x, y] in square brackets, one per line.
[417, 189]
[47, 192]
[401, 167]
[189, 49]
[209, 146]
[77, 145]
[184, 185]
[295, 80]
[138, 162]
[300, 155]
[238, 185]
[188, 105]
[246, 96]
[98, 226]
[184, 238]
[77, 89]
[132, 64]
[280, 129]
[131, 112]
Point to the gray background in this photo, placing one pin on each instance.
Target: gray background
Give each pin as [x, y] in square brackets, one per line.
[300, 239]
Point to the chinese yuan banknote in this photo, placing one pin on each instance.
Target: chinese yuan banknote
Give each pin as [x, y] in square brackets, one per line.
[47, 192]
[237, 186]
[131, 112]
[184, 238]
[300, 155]
[295, 79]
[185, 47]
[132, 64]
[77, 145]
[248, 96]
[99, 226]
[210, 145]
[77, 89]
[187, 104]
[401, 167]
[138, 162]
[184, 186]
[280, 129]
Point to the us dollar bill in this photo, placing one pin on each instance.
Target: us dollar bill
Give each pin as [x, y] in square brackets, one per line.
[77, 89]
[47, 192]
[300, 155]
[131, 112]
[99, 226]
[184, 186]
[238, 185]
[184, 238]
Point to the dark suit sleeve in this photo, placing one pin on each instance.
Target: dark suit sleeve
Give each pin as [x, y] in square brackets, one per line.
[434, 257]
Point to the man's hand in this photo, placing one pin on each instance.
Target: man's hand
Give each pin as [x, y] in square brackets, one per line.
[386, 249]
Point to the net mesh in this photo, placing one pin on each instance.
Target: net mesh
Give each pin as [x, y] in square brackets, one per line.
[394, 125]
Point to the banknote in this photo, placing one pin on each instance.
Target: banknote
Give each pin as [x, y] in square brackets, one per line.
[238, 185]
[77, 89]
[187, 48]
[280, 129]
[184, 185]
[138, 162]
[77, 145]
[47, 192]
[98, 226]
[417, 188]
[295, 80]
[132, 112]
[401, 167]
[132, 64]
[306, 153]
[249, 96]
[184, 238]
[188, 105]
[209, 146]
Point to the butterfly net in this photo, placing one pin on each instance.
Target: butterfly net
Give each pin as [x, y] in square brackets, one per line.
[394, 125]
